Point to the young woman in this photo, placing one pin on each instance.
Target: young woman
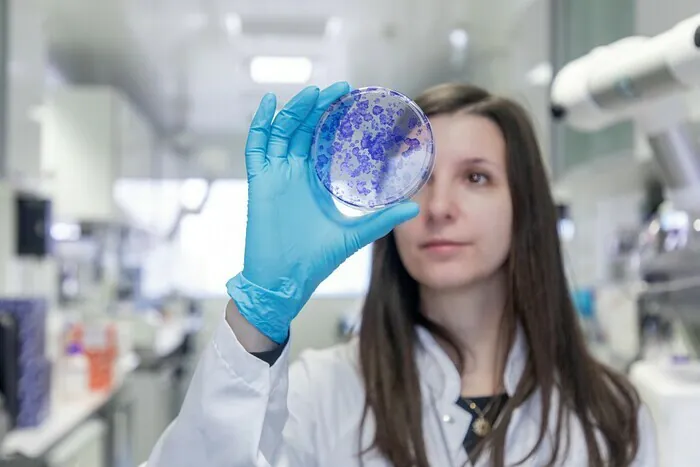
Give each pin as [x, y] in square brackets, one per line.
[469, 352]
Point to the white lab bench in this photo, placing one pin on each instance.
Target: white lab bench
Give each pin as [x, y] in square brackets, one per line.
[115, 428]
[65, 421]
[672, 393]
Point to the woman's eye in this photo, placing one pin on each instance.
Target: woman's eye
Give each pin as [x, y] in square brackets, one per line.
[477, 178]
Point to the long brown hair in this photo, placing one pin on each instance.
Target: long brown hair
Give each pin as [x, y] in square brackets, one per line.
[539, 299]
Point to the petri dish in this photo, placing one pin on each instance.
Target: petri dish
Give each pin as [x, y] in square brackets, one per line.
[373, 148]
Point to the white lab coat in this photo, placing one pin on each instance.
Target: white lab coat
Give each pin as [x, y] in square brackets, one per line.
[240, 412]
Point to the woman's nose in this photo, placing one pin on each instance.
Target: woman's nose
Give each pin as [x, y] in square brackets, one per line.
[439, 204]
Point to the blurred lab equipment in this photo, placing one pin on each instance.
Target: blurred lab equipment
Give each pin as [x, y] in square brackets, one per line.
[25, 372]
[90, 348]
[646, 80]
[565, 224]
[89, 262]
[74, 373]
[350, 320]
[670, 266]
[585, 304]
[33, 217]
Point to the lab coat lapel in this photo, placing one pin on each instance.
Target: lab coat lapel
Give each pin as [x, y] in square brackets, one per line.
[446, 423]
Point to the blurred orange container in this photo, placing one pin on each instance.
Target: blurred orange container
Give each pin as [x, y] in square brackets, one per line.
[100, 341]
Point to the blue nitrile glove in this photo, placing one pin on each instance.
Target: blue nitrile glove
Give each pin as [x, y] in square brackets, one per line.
[295, 236]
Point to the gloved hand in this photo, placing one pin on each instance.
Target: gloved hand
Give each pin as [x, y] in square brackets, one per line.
[295, 236]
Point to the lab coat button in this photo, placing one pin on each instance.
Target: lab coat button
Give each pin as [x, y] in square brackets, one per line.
[447, 418]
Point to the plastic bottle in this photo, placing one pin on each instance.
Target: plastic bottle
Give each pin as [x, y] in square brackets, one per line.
[74, 374]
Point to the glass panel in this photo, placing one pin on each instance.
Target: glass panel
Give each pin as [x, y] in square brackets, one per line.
[4, 34]
[579, 26]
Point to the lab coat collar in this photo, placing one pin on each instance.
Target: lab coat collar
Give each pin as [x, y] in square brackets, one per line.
[440, 375]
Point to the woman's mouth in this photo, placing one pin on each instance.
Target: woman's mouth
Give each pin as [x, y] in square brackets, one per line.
[442, 246]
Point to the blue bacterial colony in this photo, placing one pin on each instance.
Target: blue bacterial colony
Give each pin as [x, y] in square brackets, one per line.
[373, 148]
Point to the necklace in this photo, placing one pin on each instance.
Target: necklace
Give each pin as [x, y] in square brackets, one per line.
[481, 426]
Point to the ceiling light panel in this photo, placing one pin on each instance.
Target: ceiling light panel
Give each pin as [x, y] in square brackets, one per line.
[278, 26]
[282, 70]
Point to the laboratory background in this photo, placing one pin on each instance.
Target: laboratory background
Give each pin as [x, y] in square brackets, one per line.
[123, 191]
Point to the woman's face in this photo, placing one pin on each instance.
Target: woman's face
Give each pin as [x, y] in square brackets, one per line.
[462, 234]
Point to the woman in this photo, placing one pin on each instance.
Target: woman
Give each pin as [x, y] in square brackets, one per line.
[469, 350]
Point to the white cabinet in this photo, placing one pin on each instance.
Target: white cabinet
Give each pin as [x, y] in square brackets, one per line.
[153, 409]
[135, 142]
[91, 136]
[85, 447]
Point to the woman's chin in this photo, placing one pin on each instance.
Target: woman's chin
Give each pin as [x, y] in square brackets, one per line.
[445, 278]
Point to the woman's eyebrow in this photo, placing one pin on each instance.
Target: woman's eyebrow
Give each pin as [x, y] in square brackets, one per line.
[475, 160]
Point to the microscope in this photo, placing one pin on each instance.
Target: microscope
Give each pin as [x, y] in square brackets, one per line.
[648, 80]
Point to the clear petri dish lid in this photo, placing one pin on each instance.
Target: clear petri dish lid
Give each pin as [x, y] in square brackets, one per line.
[373, 148]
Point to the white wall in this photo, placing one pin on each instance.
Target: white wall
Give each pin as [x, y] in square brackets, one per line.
[7, 236]
[315, 328]
[653, 20]
[511, 57]
[530, 69]
[25, 91]
[26, 80]
[78, 153]
[90, 137]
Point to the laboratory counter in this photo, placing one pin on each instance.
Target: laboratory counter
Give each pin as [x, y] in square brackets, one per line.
[116, 427]
[64, 418]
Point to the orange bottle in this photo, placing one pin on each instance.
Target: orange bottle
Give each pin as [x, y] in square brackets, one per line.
[101, 351]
